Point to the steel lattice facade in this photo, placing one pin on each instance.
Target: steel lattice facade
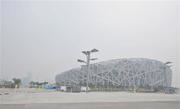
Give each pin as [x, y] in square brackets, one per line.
[138, 72]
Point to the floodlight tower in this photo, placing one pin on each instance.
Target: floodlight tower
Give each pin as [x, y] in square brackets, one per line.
[87, 62]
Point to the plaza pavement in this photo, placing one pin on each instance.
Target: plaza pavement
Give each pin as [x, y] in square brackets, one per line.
[40, 99]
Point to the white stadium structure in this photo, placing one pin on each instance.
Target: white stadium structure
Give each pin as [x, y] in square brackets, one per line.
[131, 72]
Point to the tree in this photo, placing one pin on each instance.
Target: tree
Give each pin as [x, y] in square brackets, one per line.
[7, 84]
[32, 83]
[44, 83]
[17, 82]
[37, 84]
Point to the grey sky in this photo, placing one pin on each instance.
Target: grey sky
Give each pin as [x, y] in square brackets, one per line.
[46, 37]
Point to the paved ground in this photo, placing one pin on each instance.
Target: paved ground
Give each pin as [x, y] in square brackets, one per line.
[117, 105]
[61, 97]
[39, 99]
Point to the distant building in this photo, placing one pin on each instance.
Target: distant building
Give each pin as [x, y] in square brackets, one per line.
[132, 72]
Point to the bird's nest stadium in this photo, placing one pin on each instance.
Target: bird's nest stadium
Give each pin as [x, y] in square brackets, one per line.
[119, 73]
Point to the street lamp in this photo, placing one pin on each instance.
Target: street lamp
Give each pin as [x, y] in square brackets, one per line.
[94, 50]
[87, 62]
[79, 60]
[168, 64]
[93, 59]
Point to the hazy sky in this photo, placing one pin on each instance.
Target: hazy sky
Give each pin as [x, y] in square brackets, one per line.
[46, 37]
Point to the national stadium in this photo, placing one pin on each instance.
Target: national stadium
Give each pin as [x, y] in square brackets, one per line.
[119, 74]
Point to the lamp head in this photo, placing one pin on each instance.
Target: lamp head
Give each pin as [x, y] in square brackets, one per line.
[94, 50]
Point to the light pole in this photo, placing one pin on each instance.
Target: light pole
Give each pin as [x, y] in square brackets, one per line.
[87, 62]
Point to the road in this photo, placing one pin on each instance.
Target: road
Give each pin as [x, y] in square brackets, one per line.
[108, 105]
